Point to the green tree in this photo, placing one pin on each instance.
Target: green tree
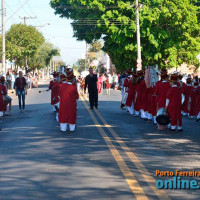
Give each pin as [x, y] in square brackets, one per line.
[80, 65]
[22, 41]
[43, 56]
[169, 29]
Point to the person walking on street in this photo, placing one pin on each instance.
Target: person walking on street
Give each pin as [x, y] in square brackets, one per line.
[91, 82]
[21, 90]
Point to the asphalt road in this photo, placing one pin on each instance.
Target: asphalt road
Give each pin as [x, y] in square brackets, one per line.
[111, 156]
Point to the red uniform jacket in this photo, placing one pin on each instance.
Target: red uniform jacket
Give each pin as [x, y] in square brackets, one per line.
[194, 103]
[152, 101]
[52, 92]
[142, 96]
[161, 92]
[3, 92]
[187, 91]
[174, 107]
[55, 91]
[68, 107]
[131, 93]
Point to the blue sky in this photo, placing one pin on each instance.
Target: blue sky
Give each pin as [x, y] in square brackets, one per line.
[59, 32]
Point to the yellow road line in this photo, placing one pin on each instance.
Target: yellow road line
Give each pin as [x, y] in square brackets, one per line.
[130, 178]
[141, 168]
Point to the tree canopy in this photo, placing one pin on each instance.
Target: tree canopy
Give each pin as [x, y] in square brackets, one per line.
[43, 56]
[169, 29]
[22, 41]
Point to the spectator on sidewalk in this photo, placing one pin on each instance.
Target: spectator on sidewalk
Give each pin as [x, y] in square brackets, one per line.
[21, 90]
[12, 80]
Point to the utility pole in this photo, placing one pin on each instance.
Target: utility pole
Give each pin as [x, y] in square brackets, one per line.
[25, 18]
[3, 38]
[139, 58]
[26, 60]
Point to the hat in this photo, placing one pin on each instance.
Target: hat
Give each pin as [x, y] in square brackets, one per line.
[69, 74]
[164, 76]
[135, 75]
[174, 78]
[62, 77]
[163, 120]
[196, 83]
[189, 81]
[180, 76]
[129, 71]
[55, 74]
[2, 79]
[163, 71]
[140, 73]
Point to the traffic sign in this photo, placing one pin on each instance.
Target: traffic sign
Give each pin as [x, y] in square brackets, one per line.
[139, 60]
[139, 66]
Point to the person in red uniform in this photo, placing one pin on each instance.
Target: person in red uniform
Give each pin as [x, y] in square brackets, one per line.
[142, 95]
[126, 83]
[187, 92]
[68, 95]
[173, 104]
[56, 100]
[138, 95]
[51, 85]
[132, 84]
[161, 92]
[3, 93]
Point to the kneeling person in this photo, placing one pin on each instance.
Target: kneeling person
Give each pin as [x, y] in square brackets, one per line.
[68, 95]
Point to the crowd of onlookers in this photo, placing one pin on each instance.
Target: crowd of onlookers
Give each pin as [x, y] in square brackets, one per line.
[32, 81]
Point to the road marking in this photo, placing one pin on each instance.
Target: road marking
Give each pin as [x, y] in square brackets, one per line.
[141, 168]
[130, 178]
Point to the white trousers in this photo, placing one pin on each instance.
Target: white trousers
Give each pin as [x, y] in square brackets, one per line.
[131, 109]
[63, 127]
[122, 92]
[149, 116]
[198, 116]
[143, 114]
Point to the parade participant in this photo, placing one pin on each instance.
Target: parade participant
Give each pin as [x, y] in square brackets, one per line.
[193, 99]
[173, 104]
[161, 92]
[8, 99]
[3, 93]
[56, 100]
[68, 95]
[132, 84]
[138, 95]
[91, 82]
[52, 82]
[121, 82]
[100, 84]
[21, 90]
[142, 95]
[187, 92]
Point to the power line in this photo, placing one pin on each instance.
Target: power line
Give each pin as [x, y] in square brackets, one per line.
[18, 9]
[33, 13]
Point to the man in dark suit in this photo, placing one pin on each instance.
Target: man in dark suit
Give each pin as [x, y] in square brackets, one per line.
[91, 82]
